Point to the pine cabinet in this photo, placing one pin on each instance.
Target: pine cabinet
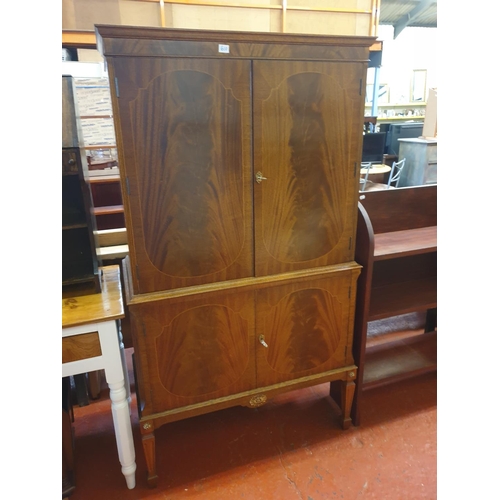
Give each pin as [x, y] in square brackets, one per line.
[239, 159]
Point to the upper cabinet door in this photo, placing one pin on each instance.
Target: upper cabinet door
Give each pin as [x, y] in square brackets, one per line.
[185, 157]
[307, 139]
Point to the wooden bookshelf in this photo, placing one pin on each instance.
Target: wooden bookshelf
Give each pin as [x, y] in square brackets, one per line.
[397, 247]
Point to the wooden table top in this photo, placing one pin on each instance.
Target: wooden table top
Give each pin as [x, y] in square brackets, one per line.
[377, 169]
[103, 306]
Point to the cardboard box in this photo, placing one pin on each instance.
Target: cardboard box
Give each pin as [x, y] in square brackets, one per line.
[430, 122]
[89, 55]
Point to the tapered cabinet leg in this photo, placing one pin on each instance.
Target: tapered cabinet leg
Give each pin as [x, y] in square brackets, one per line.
[342, 392]
[148, 445]
[347, 395]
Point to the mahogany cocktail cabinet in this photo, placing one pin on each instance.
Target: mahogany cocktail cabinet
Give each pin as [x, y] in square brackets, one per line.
[239, 157]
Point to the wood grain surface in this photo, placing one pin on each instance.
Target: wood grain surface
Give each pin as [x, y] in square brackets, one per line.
[238, 290]
[77, 347]
[417, 208]
[94, 307]
[306, 145]
[310, 322]
[194, 349]
[307, 327]
[186, 162]
[149, 41]
[201, 352]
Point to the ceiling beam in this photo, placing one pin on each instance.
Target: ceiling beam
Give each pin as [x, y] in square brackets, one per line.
[411, 16]
[79, 39]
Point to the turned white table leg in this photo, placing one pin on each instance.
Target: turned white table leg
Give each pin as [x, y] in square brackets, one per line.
[123, 431]
[120, 406]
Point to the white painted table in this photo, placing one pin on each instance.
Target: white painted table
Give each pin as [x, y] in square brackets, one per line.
[91, 340]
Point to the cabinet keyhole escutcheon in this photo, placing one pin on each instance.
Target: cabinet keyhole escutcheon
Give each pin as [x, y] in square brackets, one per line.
[259, 177]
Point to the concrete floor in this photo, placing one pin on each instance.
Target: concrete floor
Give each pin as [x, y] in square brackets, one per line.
[292, 447]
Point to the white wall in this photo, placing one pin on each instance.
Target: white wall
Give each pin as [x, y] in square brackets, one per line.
[84, 69]
[414, 48]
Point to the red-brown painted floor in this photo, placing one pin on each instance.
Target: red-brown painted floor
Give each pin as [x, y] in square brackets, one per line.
[291, 448]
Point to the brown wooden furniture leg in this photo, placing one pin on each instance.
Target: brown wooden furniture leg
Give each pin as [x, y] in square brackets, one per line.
[82, 395]
[148, 445]
[342, 392]
[68, 462]
[431, 320]
[347, 395]
[94, 379]
[335, 392]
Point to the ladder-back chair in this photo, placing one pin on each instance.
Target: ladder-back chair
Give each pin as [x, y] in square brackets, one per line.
[365, 165]
[395, 175]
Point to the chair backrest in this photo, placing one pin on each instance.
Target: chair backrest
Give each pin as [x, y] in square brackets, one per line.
[367, 165]
[397, 168]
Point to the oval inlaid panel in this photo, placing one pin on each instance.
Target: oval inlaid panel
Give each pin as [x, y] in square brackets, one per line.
[203, 350]
[303, 331]
[305, 200]
[189, 152]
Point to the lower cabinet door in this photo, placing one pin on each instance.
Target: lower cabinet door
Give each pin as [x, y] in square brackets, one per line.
[304, 328]
[193, 349]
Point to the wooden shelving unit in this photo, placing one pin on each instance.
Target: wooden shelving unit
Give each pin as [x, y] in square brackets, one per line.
[95, 106]
[405, 358]
[80, 272]
[108, 210]
[397, 247]
[111, 234]
[405, 243]
[108, 204]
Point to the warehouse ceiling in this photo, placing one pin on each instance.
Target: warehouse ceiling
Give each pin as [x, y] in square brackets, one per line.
[406, 13]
